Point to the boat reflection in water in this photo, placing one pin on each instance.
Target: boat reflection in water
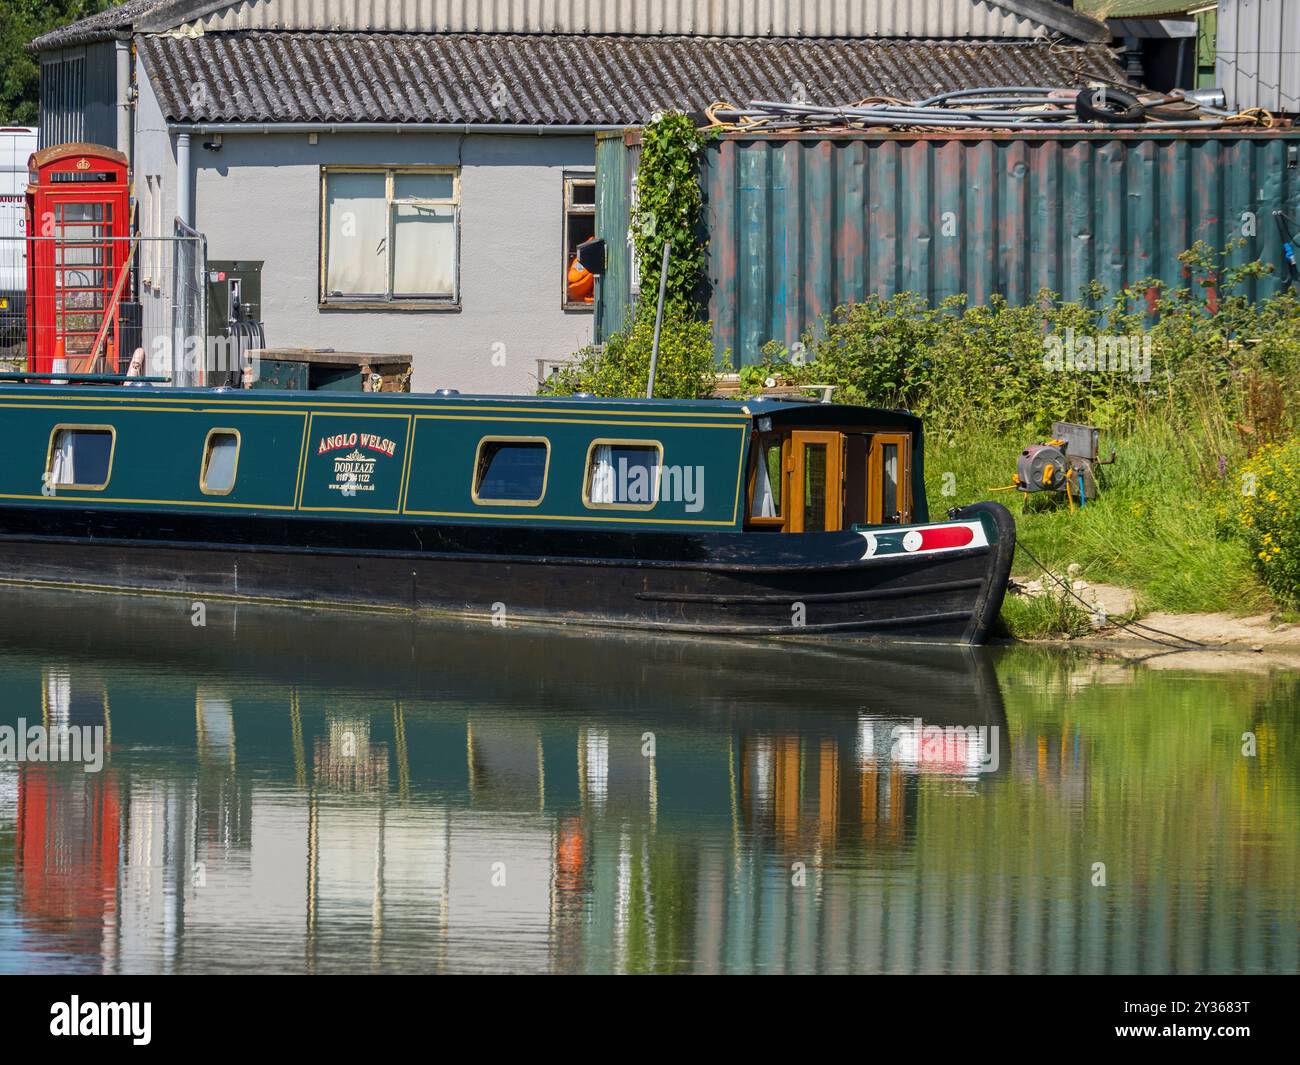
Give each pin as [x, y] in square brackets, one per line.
[286, 791]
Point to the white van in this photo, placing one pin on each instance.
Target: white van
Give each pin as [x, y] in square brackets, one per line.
[16, 146]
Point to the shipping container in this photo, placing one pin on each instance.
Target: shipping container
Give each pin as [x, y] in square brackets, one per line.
[800, 224]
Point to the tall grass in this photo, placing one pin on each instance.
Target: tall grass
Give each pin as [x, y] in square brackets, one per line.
[1153, 528]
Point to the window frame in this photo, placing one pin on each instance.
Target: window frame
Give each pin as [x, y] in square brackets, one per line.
[49, 456]
[875, 477]
[618, 442]
[389, 301]
[567, 209]
[478, 458]
[207, 458]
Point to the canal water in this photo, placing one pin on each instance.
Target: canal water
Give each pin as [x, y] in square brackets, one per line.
[287, 791]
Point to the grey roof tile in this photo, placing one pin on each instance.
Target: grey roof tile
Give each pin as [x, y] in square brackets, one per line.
[564, 80]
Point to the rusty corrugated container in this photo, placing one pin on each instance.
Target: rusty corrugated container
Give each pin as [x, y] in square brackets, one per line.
[801, 224]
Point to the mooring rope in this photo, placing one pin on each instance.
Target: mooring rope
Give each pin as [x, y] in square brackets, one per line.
[1185, 643]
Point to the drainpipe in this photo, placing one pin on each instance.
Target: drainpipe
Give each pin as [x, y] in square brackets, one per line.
[184, 205]
[122, 54]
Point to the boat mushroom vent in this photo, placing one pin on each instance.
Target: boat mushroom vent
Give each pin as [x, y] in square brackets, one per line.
[447, 392]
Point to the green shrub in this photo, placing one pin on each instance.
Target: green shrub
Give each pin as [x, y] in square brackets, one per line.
[686, 367]
[1270, 516]
[1203, 355]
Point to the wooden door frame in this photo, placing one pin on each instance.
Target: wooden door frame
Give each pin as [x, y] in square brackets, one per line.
[834, 441]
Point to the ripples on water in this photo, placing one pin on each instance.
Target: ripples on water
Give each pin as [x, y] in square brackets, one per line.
[292, 792]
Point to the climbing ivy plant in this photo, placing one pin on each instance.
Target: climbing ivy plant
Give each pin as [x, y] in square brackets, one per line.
[669, 202]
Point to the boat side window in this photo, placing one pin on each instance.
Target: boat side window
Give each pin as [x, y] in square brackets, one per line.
[766, 494]
[511, 471]
[80, 456]
[623, 474]
[889, 483]
[220, 462]
[890, 500]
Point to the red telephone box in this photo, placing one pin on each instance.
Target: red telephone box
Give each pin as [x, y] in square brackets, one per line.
[78, 251]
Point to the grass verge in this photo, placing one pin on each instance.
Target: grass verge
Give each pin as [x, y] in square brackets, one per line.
[1154, 527]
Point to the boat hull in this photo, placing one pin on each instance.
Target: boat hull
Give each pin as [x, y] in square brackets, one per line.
[745, 584]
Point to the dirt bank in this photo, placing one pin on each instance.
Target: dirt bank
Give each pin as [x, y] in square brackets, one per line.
[1181, 641]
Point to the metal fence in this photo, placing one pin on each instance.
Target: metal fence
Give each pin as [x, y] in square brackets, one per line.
[105, 298]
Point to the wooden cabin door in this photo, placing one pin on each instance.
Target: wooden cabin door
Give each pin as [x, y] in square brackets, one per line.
[816, 482]
[889, 496]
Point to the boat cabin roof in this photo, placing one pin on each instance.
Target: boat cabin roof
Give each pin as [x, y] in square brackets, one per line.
[782, 410]
[659, 464]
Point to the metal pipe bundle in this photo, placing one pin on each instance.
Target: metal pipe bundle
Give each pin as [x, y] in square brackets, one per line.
[1022, 107]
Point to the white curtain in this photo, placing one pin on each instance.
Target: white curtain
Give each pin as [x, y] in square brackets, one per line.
[357, 257]
[764, 500]
[61, 469]
[603, 484]
[890, 502]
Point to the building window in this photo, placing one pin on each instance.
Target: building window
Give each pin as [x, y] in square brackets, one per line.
[622, 474]
[390, 236]
[80, 456]
[220, 462]
[511, 471]
[579, 225]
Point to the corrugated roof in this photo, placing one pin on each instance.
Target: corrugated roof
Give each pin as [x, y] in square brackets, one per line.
[921, 19]
[966, 19]
[561, 80]
[98, 27]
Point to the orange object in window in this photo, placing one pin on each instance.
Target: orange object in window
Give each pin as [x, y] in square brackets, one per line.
[582, 283]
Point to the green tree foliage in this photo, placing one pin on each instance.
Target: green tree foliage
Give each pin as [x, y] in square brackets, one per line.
[20, 22]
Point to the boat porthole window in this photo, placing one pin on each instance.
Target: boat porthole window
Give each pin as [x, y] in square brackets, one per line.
[81, 456]
[220, 462]
[511, 471]
[623, 474]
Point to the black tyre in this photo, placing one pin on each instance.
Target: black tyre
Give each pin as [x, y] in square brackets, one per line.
[1108, 105]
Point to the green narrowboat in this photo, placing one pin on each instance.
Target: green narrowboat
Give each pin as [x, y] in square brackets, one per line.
[762, 518]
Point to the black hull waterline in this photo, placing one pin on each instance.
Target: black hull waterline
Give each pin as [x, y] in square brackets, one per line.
[815, 585]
